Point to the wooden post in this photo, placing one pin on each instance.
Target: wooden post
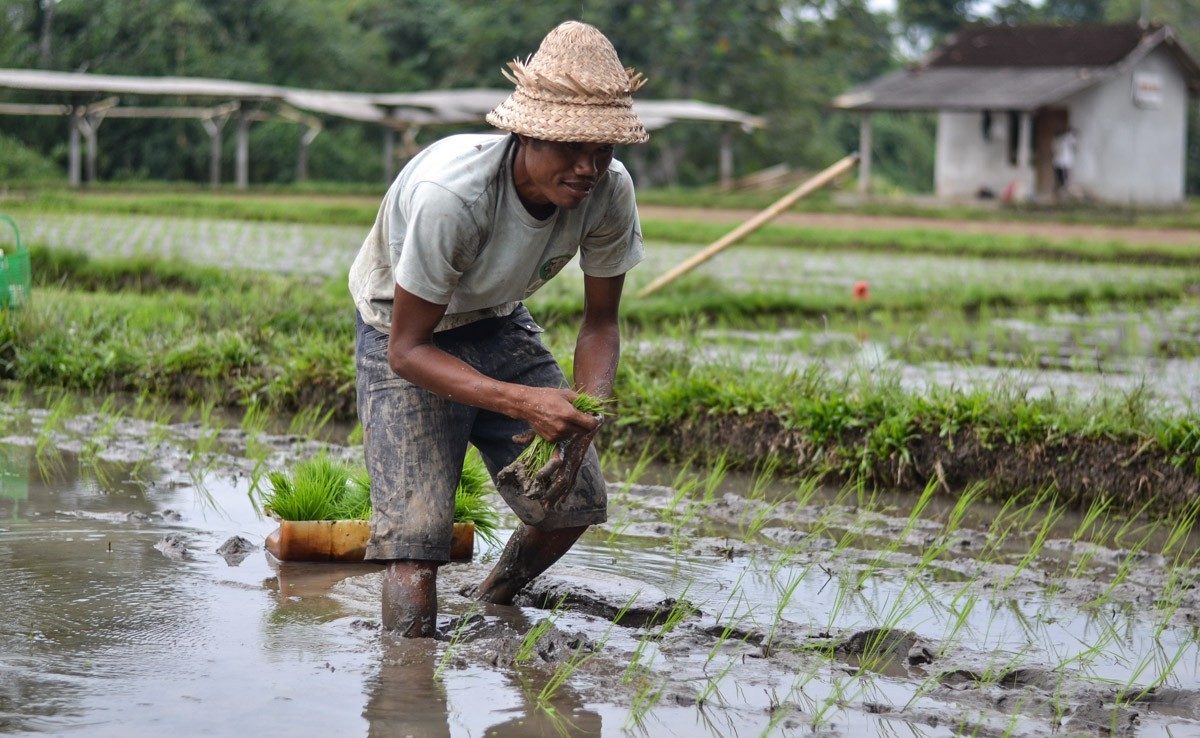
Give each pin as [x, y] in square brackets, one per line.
[302, 155]
[308, 134]
[725, 162]
[1024, 140]
[864, 153]
[212, 126]
[242, 158]
[90, 124]
[73, 163]
[389, 154]
[752, 225]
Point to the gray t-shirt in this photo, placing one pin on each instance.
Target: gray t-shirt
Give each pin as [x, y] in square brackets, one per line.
[451, 230]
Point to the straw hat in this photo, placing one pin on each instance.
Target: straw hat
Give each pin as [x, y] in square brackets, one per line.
[573, 89]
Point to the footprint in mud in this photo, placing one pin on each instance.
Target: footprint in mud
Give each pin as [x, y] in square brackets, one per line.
[1099, 718]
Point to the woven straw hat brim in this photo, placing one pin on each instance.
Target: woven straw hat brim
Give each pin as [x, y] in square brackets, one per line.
[568, 122]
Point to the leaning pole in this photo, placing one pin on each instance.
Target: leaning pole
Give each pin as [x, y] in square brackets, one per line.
[750, 226]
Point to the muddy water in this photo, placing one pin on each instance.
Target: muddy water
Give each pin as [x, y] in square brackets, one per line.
[121, 618]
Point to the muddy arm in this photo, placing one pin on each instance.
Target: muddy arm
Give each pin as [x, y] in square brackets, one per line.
[413, 355]
[598, 346]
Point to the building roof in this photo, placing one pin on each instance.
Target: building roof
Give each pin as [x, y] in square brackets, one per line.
[1038, 46]
[394, 109]
[1017, 68]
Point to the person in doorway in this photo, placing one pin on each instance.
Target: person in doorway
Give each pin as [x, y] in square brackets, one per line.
[447, 355]
[1064, 159]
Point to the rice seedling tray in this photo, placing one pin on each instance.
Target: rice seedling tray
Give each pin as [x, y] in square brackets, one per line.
[345, 540]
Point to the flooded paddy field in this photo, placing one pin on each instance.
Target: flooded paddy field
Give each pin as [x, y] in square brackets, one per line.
[296, 248]
[1087, 353]
[709, 604]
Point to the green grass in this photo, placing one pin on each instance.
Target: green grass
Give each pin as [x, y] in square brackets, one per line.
[328, 203]
[1186, 215]
[931, 240]
[176, 332]
[357, 210]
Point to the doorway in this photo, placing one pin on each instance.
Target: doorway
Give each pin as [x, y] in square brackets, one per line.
[1047, 124]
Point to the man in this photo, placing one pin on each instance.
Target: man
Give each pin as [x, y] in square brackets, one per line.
[1064, 160]
[445, 352]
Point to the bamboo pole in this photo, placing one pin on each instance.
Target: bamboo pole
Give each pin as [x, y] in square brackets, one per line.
[758, 221]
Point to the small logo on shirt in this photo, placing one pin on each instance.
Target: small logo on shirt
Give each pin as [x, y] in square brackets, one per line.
[553, 266]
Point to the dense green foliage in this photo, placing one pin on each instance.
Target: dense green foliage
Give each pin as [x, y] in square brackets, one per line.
[782, 59]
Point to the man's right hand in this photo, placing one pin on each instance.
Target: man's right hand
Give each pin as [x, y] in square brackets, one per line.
[551, 415]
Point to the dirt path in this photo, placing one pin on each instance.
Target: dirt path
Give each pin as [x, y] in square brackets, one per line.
[859, 222]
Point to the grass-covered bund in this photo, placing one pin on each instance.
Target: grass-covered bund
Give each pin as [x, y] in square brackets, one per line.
[169, 331]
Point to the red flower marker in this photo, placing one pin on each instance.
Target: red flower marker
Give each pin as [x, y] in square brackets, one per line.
[862, 290]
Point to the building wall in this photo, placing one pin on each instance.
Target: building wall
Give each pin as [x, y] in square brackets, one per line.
[1127, 153]
[967, 163]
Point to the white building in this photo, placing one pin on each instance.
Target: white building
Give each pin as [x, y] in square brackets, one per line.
[1003, 94]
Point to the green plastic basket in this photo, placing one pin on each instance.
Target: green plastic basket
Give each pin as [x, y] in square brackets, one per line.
[14, 270]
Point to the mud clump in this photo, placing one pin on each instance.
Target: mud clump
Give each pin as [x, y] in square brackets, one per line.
[235, 550]
[1098, 718]
[638, 604]
[174, 547]
[887, 646]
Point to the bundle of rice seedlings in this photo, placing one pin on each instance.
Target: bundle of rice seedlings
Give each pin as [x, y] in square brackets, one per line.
[537, 454]
[317, 489]
[323, 489]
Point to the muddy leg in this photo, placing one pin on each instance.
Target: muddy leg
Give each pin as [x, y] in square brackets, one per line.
[529, 552]
[410, 598]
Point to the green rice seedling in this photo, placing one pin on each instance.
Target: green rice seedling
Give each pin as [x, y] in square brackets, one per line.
[764, 475]
[763, 513]
[470, 504]
[537, 454]
[1126, 694]
[45, 452]
[711, 692]
[714, 478]
[806, 489]
[456, 636]
[785, 596]
[576, 660]
[310, 421]
[535, 635]
[647, 694]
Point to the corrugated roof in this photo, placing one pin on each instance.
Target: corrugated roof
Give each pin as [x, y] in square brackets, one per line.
[459, 105]
[967, 73]
[1039, 46]
[47, 81]
[952, 88]
[397, 109]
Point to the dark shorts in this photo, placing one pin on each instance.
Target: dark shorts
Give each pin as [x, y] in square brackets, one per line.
[415, 441]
